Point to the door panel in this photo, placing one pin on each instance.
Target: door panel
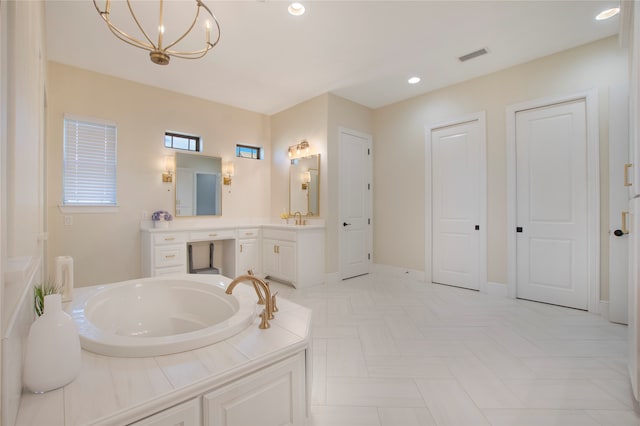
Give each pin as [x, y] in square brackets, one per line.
[551, 163]
[355, 204]
[456, 208]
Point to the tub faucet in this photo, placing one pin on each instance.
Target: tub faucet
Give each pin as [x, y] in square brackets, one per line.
[264, 296]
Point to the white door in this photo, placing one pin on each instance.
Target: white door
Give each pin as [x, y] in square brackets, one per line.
[456, 190]
[618, 203]
[355, 203]
[551, 204]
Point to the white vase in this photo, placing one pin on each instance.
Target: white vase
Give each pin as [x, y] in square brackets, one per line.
[161, 224]
[53, 353]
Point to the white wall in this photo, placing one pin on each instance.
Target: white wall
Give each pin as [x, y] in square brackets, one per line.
[106, 247]
[22, 232]
[399, 148]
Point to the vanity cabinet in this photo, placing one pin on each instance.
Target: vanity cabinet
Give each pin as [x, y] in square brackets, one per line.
[164, 253]
[275, 395]
[248, 255]
[295, 255]
[279, 259]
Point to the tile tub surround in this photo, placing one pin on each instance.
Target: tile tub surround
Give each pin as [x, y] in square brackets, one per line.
[394, 351]
[116, 391]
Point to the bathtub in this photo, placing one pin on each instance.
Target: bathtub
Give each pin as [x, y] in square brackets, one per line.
[160, 315]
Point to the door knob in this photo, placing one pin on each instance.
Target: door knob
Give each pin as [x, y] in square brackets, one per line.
[345, 224]
[618, 233]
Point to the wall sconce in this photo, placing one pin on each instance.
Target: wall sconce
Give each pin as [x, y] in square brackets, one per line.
[306, 179]
[227, 173]
[167, 175]
[299, 149]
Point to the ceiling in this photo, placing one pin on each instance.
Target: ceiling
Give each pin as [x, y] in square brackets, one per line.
[268, 60]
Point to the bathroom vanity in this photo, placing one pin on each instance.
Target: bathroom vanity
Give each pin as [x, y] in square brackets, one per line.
[289, 253]
[259, 377]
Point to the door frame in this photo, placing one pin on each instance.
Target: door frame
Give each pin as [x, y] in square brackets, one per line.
[481, 118]
[590, 98]
[369, 138]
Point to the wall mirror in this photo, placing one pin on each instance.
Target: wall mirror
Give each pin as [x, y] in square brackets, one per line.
[198, 185]
[304, 185]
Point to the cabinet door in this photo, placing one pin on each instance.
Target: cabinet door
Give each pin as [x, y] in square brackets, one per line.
[185, 414]
[270, 258]
[272, 396]
[248, 256]
[287, 261]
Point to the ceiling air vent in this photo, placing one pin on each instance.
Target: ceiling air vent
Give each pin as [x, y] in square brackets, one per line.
[472, 55]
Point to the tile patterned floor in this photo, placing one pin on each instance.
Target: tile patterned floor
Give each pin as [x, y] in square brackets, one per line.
[393, 351]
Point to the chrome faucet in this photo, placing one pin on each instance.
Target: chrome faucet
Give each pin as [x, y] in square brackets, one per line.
[264, 296]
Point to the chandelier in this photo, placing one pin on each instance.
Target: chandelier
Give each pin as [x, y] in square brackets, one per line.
[160, 51]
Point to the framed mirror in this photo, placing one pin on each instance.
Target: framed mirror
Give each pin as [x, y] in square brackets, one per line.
[198, 185]
[304, 185]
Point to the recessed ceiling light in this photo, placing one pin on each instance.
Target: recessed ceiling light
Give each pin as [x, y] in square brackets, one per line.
[413, 80]
[606, 14]
[296, 9]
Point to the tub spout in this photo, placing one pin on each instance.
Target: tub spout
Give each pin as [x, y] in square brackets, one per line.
[264, 296]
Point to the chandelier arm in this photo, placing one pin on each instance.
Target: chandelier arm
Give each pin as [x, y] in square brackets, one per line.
[193, 23]
[128, 39]
[140, 26]
[189, 55]
[104, 14]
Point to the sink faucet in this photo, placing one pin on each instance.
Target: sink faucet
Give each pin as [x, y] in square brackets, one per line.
[298, 221]
[264, 296]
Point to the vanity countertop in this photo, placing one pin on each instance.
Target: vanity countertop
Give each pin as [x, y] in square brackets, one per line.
[187, 228]
[114, 390]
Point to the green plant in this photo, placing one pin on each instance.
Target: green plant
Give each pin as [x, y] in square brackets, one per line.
[42, 290]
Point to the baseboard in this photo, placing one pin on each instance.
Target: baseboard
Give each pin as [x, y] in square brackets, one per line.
[495, 289]
[398, 271]
[603, 309]
[332, 277]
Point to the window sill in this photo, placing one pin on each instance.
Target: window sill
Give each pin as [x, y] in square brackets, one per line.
[67, 209]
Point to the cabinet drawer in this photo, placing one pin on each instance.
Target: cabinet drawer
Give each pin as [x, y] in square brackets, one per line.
[248, 233]
[187, 413]
[279, 234]
[225, 234]
[169, 238]
[173, 255]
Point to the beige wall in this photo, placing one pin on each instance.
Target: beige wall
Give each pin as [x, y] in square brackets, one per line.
[317, 120]
[106, 247]
[399, 148]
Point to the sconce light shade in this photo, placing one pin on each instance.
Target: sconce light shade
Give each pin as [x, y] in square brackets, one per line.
[227, 173]
[299, 149]
[306, 179]
[167, 175]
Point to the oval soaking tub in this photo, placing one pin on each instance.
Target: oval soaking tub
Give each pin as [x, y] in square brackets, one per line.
[160, 315]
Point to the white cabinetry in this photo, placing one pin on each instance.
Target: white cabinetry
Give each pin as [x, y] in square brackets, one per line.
[186, 414]
[274, 396]
[249, 251]
[164, 253]
[294, 255]
[279, 259]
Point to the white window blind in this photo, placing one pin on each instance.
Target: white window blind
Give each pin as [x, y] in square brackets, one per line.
[89, 171]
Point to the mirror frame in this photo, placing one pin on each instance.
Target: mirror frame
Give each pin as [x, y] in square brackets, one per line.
[291, 182]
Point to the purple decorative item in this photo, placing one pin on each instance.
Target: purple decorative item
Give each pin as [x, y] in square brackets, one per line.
[161, 218]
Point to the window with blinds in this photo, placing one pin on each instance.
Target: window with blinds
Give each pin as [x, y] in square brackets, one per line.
[89, 170]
